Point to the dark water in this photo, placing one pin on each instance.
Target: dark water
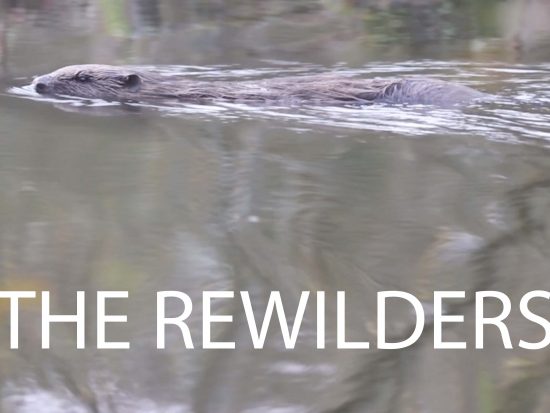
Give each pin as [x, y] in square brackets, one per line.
[232, 197]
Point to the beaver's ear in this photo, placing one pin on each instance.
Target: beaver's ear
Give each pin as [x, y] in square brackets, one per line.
[132, 81]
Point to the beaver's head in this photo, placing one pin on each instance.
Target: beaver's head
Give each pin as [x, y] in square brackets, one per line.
[90, 81]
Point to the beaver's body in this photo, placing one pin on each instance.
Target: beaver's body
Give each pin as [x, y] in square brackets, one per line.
[127, 84]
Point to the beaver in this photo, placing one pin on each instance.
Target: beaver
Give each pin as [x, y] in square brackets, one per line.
[126, 84]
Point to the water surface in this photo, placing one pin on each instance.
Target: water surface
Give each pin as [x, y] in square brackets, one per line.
[233, 197]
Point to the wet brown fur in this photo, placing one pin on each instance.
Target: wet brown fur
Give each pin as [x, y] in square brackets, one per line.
[121, 83]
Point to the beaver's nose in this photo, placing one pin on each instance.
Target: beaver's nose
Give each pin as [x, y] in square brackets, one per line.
[41, 84]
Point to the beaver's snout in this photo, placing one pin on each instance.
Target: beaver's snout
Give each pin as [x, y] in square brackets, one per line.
[42, 84]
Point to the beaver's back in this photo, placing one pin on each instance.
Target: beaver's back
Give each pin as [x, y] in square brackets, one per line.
[320, 89]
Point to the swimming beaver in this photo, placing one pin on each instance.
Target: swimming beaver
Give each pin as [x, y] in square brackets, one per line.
[126, 84]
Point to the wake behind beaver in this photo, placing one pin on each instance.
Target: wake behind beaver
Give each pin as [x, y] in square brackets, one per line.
[126, 84]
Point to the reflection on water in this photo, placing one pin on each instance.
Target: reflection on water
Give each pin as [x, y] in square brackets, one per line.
[227, 197]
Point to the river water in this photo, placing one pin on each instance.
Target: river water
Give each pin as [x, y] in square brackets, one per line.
[224, 197]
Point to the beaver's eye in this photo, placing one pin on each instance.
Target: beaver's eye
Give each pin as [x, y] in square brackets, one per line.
[82, 77]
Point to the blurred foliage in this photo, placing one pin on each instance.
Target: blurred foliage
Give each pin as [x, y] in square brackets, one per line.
[115, 17]
[243, 31]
